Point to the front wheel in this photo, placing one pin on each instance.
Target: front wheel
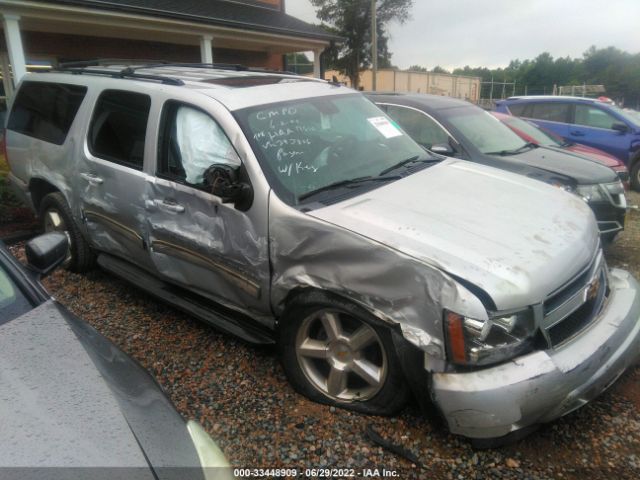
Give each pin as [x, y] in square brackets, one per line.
[335, 353]
[634, 176]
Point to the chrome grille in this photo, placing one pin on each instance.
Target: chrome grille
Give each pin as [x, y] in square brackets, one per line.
[573, 307]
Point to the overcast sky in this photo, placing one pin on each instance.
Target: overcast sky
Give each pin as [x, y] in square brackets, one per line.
[489, 33]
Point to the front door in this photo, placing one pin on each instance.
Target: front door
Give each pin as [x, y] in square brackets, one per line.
[195, 240]
[593, 126]
[111, 178]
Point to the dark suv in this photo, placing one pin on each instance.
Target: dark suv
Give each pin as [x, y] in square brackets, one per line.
[458, 129]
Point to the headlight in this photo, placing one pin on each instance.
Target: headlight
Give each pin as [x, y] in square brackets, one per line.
[482, 342]
[592, 193]
[214, 464]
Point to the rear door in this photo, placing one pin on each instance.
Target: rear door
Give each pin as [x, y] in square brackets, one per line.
[195, 240]
[552, 116]
[592, 126]
[111, 174]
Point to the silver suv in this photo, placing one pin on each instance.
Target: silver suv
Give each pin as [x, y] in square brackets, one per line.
[292, 211]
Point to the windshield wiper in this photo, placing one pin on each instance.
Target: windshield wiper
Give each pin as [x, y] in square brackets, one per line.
[515, 151]
[346, 184]
[409, 161]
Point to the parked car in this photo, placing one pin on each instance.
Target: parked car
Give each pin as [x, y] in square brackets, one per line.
[457, 128]
[289, 210]
[73, 405]
[586, 121]
[530, 132]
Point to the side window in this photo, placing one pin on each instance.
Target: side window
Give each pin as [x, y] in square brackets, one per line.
[191, 142]
[46, 110]
[517, 109]
[593, 117]
[550, 111]
[119, 126]
[420, 127]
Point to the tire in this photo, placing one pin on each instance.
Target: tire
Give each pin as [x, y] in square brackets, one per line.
[357, 372]
[55, 215]
[634, 175]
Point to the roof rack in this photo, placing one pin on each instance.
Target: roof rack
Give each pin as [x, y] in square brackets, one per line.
[81, 67]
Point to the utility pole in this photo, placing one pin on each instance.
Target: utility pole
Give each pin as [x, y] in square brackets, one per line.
[374, 46]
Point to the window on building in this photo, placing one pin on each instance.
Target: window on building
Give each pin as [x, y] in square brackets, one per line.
[46, 110]
[191, 142]
[119, 126]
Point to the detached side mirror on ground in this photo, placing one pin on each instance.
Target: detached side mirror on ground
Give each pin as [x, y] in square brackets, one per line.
[224, 181]
[46, 252]
[620, 127]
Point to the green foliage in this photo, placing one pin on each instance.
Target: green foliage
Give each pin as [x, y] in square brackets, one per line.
[439, 69]
[618, 71]
[417, 68]
[351, 19]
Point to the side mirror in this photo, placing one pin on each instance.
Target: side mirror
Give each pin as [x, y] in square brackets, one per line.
[46, 252]
[224, 181]
[620, 127]
[442, 149]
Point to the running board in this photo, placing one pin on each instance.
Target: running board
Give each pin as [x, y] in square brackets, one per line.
[208, 311]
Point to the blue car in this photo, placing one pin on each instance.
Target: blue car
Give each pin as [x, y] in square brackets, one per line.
[584, 120]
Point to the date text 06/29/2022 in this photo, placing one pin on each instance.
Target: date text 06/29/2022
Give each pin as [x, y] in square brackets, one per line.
[315, 473]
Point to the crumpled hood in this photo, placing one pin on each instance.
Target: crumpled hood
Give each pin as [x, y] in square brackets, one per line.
[517, 239]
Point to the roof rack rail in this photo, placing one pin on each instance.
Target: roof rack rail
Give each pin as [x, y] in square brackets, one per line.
[124, 73]
[105, 62]
[219, 66]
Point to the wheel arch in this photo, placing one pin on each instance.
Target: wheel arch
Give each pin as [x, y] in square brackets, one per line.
[40, 188]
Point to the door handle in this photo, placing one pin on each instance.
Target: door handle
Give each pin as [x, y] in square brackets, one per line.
[169, 206]
[577, 133]
[92, 179]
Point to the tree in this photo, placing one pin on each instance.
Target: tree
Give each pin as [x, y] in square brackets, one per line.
[439, 69]
[417, 68]
[351, 19]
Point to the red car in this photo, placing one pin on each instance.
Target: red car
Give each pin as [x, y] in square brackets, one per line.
[530, 132]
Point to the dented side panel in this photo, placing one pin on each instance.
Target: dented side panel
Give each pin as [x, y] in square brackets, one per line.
[311, 253]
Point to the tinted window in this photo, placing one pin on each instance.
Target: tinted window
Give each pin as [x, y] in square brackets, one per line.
[119, 126]
[46, 110]
[419, 126]
[593, 117]
[517, 109]
[192, 141]
[551, 111]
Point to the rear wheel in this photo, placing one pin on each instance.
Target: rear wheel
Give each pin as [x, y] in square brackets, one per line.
[336, 353]
[56, 216]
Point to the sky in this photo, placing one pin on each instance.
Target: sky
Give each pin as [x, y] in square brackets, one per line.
[490, 33]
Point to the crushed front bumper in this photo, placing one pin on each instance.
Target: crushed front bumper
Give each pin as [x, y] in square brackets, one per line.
[545, 385]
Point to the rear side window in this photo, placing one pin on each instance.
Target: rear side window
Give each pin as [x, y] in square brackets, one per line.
[46, 110]
[517, 109]
[119, 126]
[550, 111]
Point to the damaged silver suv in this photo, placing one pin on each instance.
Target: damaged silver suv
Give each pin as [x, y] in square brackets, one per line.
[292, 211]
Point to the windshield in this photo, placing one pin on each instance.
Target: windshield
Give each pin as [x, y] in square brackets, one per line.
[632, 117]
[482, 129]
[537, 135]
[308, 144]
[12, 302]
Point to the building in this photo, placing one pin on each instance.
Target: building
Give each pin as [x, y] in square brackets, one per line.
[256, 33]
[392, 80]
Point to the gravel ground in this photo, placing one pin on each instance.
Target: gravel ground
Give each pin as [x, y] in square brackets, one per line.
[240, 395]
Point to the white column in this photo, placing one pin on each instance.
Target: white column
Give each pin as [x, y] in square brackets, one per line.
[14, 45]
[206, 49]
[316, 63]
[6, 75]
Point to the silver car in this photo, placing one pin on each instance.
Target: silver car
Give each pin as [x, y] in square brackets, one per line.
[293, 211]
